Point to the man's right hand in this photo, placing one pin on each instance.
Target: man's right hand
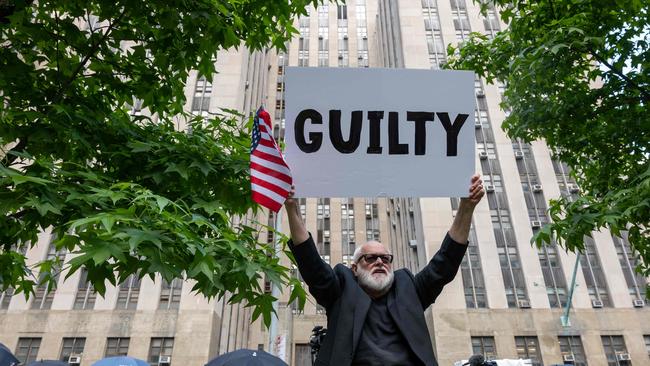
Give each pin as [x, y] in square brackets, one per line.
[299, 233]
[291, 203]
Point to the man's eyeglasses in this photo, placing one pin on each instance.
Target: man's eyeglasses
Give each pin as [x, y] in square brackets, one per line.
[372, 258]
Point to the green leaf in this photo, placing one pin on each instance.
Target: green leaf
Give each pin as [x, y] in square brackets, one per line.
[130, 191]
[557, 47]
[17, 178]
[172, 167]
[162, 202]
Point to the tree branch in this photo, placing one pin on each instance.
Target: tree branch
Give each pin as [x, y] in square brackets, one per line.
[58, 69]
[90, 54]
[619, 73]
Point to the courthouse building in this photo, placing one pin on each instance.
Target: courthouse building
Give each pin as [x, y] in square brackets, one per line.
[507, 299]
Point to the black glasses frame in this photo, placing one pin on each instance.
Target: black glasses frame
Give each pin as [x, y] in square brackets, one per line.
[372, 258]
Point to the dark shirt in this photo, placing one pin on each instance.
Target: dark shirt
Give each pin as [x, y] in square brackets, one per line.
[381, 342]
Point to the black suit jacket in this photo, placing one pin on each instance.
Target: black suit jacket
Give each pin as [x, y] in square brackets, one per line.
[347, 303]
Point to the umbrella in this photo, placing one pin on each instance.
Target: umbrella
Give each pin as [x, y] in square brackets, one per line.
[121, 361]
[6, 357]
[246, 357]
[48, 363]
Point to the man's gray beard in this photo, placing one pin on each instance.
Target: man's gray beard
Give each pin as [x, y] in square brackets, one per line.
[367, 281]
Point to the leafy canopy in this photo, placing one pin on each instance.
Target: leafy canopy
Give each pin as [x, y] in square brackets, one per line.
[576, 75]
[130, 195]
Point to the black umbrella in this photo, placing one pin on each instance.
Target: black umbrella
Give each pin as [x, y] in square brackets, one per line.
[6, 357]
[246, 357]
[48, 363]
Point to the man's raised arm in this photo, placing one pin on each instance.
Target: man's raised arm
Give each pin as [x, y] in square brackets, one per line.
[318, 275]
[442, 268]
[299, 233]
[459, 230]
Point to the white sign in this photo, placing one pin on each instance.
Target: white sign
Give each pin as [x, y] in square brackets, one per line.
[379, 132]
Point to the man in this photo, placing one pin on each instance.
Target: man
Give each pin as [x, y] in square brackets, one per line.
[374, 315]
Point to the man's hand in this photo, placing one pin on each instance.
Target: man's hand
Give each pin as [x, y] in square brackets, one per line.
[299, 233]
[459, 230]
[476, 191]
[291, 203]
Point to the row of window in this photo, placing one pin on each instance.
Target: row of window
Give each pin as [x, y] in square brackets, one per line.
[28, 347]
[127, 298]
[435, 43]
[556, 287]
[555, 282]
[527, 347]
[323, 37]
[571, 349]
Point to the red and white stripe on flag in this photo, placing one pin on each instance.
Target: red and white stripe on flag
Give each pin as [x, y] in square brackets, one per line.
[270, 175]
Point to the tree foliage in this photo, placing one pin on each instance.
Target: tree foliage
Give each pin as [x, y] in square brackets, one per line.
[576, 75]
[129, 194]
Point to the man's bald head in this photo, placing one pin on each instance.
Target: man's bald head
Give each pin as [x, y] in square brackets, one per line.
[371, 246]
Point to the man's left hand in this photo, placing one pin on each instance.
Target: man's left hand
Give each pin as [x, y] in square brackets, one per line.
[476, 191]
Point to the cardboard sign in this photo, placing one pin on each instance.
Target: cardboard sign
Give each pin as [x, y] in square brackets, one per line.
[379, 132]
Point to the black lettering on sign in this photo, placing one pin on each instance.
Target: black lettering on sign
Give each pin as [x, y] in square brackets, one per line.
[452, 131]
[420, 119]
[315, 138]
[374, 119]
[394, 146]
[336, 135]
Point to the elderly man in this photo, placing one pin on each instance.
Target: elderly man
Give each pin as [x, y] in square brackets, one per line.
[374, 315]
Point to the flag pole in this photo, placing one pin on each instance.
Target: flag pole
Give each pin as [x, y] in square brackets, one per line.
[275, 292]
[564, 319]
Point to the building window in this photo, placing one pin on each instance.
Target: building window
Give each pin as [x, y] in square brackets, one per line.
[342, 12]
[615, 350]
[5, 298]
[323, 225]
[43, 296]
[513, 276]
[372, 219]
[471, 271]
[202, 94]
[594, 275]
[303, 355]
[484, 346]
[303, 208]
[436, 46]
[362, 34]
[528, 348]
[554, 280]
[71, 347]
[571, 349]
[117, 346]
[27, 349]
[85, 299]
[556, 288]
[461, 21]
[170, 294]
[323, 35]
[628, 261]
[491, 21]
[127, 297]
[160, 347]
[347, 227]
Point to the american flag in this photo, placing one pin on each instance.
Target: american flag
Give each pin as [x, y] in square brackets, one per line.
[270, 175]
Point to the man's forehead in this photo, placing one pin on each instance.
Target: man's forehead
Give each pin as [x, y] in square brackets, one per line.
[373, 247]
